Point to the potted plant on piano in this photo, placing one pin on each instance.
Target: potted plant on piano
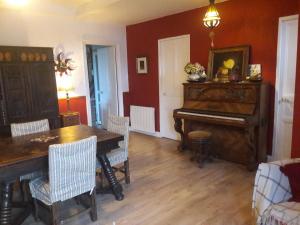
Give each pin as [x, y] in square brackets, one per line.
[196, 72]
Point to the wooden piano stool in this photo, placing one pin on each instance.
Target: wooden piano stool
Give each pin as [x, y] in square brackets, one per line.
[200, 143]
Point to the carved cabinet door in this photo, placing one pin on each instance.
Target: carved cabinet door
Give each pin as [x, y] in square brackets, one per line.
[44, 92]
[14, 85]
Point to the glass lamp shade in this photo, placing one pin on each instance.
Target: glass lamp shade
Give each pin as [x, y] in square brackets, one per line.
[212, 18]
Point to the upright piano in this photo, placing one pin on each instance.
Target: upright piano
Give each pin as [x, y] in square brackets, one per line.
[235, 113]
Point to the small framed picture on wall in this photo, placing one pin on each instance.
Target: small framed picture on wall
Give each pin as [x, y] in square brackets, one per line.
[141, 65]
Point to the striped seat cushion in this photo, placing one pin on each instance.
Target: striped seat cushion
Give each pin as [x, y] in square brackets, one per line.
[31, 176]
[115, 157]
[40, 189]
[20, 129]
[72, 169]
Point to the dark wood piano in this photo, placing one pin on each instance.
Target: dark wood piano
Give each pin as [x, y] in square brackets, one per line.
[235, 113]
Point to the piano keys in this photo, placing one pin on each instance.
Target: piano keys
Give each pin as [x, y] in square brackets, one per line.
[235, 113]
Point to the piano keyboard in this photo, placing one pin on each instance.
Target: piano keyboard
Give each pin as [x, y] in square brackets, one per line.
[212, 116]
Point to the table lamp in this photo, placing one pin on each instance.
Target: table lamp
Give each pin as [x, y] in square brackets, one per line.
[65, 85]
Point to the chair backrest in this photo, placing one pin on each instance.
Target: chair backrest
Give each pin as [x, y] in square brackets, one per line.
[19, 129]
[119, 125]
[72, 168]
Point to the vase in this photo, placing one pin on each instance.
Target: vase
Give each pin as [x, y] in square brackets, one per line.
[193, 77]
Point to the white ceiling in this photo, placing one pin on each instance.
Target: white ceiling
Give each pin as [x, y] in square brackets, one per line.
[122, 12]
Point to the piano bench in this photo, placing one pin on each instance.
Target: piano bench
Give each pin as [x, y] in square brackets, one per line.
[200, 143]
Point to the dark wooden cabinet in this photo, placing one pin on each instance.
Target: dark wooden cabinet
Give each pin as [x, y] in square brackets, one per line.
[27, 86]
[70, 119]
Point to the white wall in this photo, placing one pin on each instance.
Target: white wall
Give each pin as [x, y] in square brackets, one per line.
[19, 28]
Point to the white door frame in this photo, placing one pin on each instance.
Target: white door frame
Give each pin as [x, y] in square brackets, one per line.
[279, 75]
[160, 74]
[118, 71]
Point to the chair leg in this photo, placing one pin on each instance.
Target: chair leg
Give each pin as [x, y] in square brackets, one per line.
[127, 172]
[94, 216]
[55, 213]
[36, 210]
[25, 192]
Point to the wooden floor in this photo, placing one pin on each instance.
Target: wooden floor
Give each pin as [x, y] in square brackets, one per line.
[168, 189]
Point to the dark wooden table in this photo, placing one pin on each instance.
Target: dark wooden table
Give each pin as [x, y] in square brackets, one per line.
[20, 156]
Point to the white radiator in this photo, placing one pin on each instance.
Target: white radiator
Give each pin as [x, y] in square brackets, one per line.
[142, 119]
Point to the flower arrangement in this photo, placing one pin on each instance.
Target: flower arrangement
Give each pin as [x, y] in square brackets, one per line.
[196, 72]
[196, 68]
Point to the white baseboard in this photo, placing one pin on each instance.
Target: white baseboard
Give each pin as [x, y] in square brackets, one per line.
[156, 134]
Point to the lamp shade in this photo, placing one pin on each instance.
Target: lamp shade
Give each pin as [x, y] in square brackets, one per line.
[212, 18]
[64, 83]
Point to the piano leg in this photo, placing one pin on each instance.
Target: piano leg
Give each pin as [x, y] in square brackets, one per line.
[178, 128]
[250, 136]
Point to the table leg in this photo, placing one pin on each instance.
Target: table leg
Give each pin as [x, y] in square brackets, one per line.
[6, 203]
[109, 173]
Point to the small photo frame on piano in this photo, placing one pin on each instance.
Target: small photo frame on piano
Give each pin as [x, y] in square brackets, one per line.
[254, 72]
[228, 64]
[141, 65]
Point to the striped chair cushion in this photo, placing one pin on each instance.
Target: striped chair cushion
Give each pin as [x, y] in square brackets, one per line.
[31, 176]
[115, 157]
[19, 129]
[119, 125]
[41, 189]
[72, 169]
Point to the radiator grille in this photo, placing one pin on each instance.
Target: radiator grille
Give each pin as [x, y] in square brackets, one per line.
[142, 119]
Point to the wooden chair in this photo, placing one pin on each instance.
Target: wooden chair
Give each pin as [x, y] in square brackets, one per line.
[20, 129]
[200, 141]
[119, 125]
[72, 169]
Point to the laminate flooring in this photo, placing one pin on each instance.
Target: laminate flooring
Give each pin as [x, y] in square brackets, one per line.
[168, 189]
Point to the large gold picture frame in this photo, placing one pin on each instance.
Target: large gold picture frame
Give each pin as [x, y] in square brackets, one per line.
[227, 63]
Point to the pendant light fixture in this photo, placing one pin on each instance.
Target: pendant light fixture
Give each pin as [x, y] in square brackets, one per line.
[211, 19]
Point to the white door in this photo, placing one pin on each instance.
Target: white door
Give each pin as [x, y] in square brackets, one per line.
[107, 83]
[285, 87]
[174, 54]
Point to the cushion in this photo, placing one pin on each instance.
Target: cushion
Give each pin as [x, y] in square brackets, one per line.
[115, 157]
[40, 189]
[292, 171]
[286, 213]
[31, 176]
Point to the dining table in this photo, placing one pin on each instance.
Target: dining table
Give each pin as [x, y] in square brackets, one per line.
[29, 153]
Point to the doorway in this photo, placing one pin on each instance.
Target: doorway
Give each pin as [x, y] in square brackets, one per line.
[285, 87]
[103, 85]
[174, 54]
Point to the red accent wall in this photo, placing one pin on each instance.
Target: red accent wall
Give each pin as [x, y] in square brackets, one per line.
[77, 104]
[243, 22]
[296, 125]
